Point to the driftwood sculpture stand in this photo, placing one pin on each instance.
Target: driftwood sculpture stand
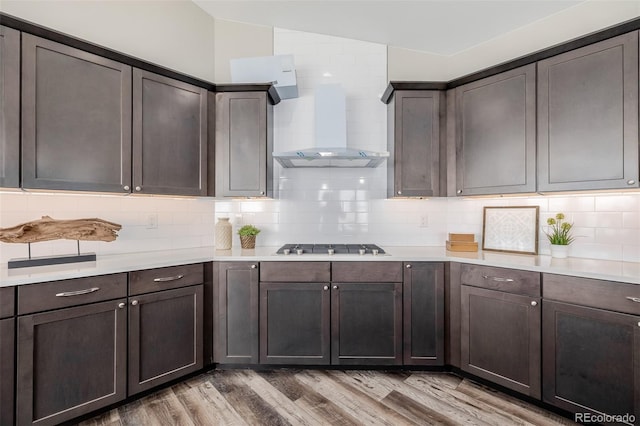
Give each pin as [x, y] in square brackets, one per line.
[47, 229]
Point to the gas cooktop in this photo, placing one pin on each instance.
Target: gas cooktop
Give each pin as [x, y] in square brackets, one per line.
[360, 249]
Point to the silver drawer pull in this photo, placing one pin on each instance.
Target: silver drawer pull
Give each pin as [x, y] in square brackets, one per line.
[634, 299]
[78, 292]
[498, 279]
[165, 279]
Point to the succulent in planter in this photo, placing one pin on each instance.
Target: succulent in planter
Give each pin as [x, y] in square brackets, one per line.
[248, 236]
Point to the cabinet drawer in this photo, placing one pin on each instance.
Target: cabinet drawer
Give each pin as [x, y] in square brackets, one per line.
[7, 295]
[79, 291]
[384, 272]
[502, 279]
[302, 272]
[165, 278]
[609, 295]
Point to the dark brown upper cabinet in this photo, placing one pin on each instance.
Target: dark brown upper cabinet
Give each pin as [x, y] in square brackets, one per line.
[169, 136]
[243, 144]
[76, 119]
[588, 117]
[10, 107]
[413, 141]
[495, 128]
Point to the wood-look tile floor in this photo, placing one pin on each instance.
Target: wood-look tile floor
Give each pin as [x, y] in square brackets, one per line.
[327, 397]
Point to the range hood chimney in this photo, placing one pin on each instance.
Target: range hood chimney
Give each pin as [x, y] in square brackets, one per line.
[330, 148]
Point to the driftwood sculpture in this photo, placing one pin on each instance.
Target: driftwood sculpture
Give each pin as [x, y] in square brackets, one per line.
[47, 229]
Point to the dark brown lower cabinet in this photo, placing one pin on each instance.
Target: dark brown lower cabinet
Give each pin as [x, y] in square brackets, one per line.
[423, 294]
[236, 322]
[7, 364]
[591, 360]
[165, 336]
[500, 338]
[295, 323]
[70, 362]
[366, 323]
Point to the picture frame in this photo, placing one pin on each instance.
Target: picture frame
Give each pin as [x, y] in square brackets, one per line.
[511, 229]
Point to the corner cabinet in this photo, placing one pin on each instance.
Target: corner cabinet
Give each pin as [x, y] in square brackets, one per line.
[169, 136]
[588, 117]
[236, 321]
[243, 144]
[10, 108]
[591, 346]
[76, 119]
[495, 127]
[423, 302]
[413, 126]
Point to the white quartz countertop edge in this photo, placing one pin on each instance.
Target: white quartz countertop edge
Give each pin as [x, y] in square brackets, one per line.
[628, 272]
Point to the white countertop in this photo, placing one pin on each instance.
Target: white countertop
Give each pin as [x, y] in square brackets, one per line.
[628, 272]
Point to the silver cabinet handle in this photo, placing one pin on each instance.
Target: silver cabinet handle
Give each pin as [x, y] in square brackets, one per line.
[326, 287]
[165, 279]
[631, 182]
[408, 266]
[399, 192]
[134, 302]
[121, 305]
[634, 299]
[138, 188]
[459, 191]
[534, 303]
[335, 287]
[498, 279]
[254, 266]
[261, 192]
[126, 187]
[77, 292]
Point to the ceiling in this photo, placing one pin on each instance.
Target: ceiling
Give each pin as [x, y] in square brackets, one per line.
[443, 27]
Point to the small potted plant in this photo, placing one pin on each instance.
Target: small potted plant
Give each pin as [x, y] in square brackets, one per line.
[248, 236]
[559, 235]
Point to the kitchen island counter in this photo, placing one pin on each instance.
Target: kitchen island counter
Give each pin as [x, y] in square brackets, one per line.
[628, 272]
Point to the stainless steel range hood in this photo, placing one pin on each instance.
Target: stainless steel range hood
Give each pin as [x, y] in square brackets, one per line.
[330, 148]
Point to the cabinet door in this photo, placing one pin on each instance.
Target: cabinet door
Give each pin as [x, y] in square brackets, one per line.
[236, 320]
[366, 323]
[496, 134]
[76, 119]
[588, 117]
[165, 336]
[423, 294]
[10, 107]
[7, 348]
[414, 139]
[243, 144]
[71, 362]
[169, 136]
[295, 323]
[501, 338]
[591, 360]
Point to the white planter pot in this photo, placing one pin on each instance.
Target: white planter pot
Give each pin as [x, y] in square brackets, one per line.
[559, 251]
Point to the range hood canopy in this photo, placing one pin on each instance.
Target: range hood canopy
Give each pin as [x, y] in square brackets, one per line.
[331, 137]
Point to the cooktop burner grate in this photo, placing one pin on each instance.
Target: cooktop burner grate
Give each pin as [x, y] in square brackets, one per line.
[330, 249]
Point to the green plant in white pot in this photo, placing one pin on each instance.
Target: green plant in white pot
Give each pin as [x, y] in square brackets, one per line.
[559, 235]
[248, 236]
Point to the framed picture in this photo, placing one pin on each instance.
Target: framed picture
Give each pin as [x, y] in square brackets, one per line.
[510, 229]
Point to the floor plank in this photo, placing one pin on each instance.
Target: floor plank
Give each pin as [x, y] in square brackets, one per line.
[239, 397]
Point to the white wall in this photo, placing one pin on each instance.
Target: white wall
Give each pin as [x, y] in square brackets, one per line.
[574, 22]
[238, 40]
[175, 34]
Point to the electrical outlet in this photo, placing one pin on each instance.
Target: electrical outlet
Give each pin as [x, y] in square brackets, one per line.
[424, 221]
[152, 220]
